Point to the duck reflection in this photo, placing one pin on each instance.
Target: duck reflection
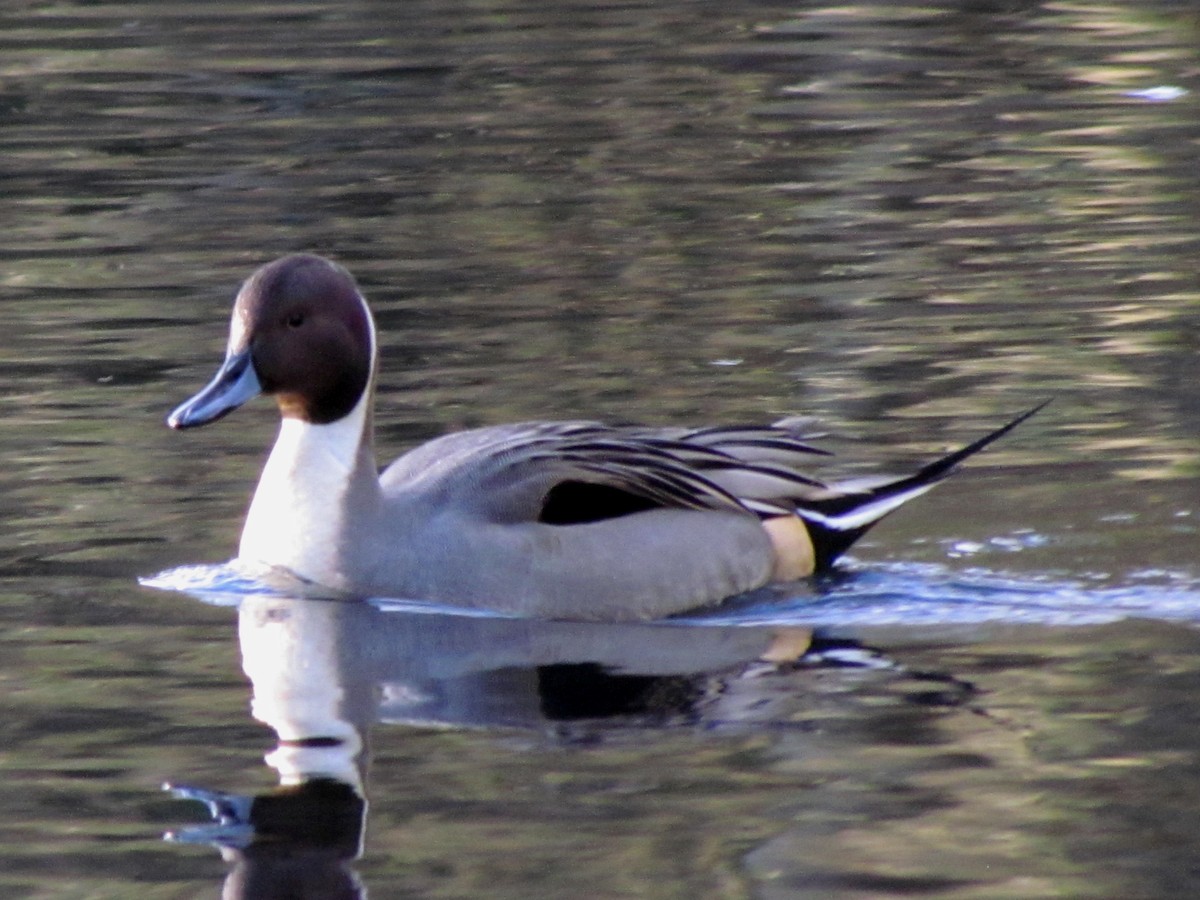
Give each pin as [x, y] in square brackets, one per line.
[323, 672]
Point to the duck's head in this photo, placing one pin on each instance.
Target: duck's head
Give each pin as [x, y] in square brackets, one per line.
[301, 333]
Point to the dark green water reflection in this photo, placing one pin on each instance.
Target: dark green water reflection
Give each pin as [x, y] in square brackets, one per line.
[908, 221]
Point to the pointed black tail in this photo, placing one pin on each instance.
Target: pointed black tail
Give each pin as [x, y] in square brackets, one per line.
[836, 522]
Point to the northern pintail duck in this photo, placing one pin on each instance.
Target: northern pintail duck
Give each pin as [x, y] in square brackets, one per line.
[569, 519]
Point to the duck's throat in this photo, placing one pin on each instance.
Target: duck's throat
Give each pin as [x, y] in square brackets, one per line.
[301, 516]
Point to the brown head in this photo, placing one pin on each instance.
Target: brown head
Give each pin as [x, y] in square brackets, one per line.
[301, 332]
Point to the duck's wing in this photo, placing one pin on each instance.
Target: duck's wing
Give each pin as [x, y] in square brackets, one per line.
[758, 469]
[566, 473]
[574, 472]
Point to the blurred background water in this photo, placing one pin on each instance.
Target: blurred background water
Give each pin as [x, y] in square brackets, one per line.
[907, 221]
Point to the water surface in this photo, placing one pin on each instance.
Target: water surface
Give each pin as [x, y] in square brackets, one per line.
[907, 222]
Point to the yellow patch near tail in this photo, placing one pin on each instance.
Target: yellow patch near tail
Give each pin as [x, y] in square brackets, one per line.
[794, 554]
[787, 645]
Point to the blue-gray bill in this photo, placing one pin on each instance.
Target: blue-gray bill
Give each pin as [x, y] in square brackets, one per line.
[234, 384]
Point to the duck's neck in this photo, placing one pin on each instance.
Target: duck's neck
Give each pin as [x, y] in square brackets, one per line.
[317, 485]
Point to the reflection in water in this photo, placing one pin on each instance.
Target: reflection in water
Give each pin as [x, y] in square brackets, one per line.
[323, 672]
[298, 841]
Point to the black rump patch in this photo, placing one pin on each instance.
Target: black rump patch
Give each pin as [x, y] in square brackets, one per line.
[830, 543]
[580, 502]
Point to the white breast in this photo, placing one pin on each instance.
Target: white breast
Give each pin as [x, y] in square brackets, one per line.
[298, 514]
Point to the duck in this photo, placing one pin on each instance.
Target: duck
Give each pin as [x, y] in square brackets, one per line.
[569, 519]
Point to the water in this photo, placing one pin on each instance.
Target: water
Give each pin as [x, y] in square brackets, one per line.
[909, 222]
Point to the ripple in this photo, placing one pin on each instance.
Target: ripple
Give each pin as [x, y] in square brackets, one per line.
[920, 595]
[902, 594]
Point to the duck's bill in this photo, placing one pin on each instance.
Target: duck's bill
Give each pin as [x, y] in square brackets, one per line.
[234, 384]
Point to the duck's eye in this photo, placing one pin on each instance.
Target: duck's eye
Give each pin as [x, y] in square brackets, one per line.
[295, 320]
